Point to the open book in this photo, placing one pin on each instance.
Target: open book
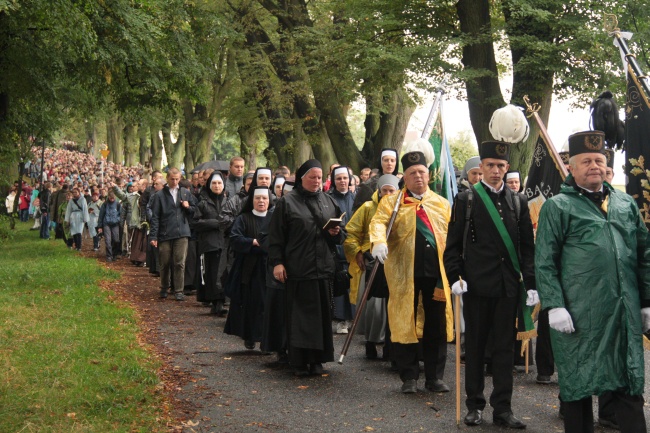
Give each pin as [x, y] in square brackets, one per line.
[334, 222]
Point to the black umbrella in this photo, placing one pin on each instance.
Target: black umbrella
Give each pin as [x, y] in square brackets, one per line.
[222, 166]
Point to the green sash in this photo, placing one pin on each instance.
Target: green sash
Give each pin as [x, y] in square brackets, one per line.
[425, 231]
[505, 236]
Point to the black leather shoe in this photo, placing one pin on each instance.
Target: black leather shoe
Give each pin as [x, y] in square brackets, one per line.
[508, 420]
[543, 379]
[474, 417]
[163, 294]
[436, 385]
[371, 350]
[250, 345]
[316, 369]
[410, 386]
[609, 422]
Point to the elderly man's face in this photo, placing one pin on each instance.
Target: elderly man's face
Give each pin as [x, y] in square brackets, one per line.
[588, 170]
[416, 178]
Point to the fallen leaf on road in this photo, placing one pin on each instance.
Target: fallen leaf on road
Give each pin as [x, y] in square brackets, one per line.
[368, 428]
[303, 387]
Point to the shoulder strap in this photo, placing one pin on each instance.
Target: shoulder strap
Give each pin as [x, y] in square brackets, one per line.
[468, 215]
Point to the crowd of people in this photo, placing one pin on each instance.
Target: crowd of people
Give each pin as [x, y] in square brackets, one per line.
[285, 256]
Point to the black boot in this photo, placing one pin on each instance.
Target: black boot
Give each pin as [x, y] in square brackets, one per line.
[371, 350]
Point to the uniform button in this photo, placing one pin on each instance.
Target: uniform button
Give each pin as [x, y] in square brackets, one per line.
[502, 259]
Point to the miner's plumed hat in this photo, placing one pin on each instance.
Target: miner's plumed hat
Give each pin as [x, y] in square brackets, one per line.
[413, 158]
[495, 150]
[586, 142]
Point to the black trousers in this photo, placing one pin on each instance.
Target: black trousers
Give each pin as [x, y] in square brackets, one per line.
[579, 416]
[544, 351]
[434, 348]
[482, 315]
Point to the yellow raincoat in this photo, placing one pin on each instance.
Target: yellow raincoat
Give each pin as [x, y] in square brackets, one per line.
[358, 239]
[400, 261]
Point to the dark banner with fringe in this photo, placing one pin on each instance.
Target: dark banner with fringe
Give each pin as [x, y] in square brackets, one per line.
[637, 144]
[544, 179]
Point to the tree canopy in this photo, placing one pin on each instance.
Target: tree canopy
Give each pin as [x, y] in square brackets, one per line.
[282, 76]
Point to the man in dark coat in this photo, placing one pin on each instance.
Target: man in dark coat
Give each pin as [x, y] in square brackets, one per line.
[481, 269]
[171, 209]
[55, 202]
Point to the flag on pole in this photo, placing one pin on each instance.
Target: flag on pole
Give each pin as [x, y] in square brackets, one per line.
[544, 178]
[637, 143]
[442, 175]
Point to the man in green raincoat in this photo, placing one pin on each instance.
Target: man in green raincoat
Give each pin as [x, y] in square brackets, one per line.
[592, 260]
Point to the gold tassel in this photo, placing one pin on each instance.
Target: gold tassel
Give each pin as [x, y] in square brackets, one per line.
[524, 346]
[646, 343]
[439, 295]
[527, 334]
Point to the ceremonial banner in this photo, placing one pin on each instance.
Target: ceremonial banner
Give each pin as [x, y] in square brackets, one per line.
[443, 178]
[544, 179]
[637, 144]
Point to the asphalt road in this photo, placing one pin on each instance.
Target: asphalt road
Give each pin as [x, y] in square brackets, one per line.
[232, 389]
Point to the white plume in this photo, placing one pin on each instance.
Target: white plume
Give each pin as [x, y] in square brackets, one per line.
[509, 124]
[420, 145]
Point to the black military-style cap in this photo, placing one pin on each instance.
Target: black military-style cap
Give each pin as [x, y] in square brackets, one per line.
[587, 142]
[495, 150]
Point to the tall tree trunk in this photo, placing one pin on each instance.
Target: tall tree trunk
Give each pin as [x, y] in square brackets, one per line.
[131, 144]
[483, 91]
[145, 144]
[91, 139]
[173, 149]
[535, 83]
[322, 147]
[300, 148]
[156, 149]
[393, 121]
[338, 131]
[114, 139]
[190, 163]
[248, 138]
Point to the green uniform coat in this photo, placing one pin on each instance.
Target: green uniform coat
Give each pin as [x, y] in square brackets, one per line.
[598, 268]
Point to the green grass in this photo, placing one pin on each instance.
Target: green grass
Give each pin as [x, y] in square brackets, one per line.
[69, 357]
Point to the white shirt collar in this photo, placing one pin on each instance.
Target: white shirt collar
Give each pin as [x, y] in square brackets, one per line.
[496, 191]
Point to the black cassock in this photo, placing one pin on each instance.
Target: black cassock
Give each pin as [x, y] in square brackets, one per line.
[246, 281]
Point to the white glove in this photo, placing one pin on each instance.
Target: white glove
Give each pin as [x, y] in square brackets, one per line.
[560, 320]
[533, 298]
[459, 287]
[380, 252]
[645, 318]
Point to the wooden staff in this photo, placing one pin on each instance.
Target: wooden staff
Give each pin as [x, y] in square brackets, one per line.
[531, 110]
[457, 325]
[364, 296]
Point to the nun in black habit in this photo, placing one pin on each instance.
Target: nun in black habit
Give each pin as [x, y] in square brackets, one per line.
[211, 241]
[247, 279]
[300, 251]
